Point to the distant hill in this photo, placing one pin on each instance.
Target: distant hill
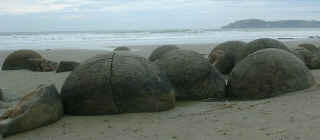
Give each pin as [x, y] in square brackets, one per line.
[257, 23]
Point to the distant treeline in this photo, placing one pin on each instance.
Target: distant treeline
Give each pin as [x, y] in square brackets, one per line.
[257, 23]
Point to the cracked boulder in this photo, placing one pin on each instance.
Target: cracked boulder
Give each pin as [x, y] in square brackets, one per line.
[268, 73]
[263, 43]
[28, 59]
[310, 47]
[160, 51]
[117, 82]
[65, 66]
[192, 76]
[122, 49]
[40, 107]
[226, 55]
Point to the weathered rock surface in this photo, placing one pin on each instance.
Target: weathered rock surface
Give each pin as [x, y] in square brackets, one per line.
[65, 66]
[117, 83]
[38, 108]
[122, 49]
[28, 59]
[267, 73]
[263, 43]
[192, 76]
[226, 55]
[160, 51]
[310, 47]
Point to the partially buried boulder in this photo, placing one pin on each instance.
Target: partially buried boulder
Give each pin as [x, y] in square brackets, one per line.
[160, 51]
[310, 47]
[122, 49]
[226, 55]
[40, 107]
[116, 82]
[28, 59]
[267, 73]
[65, 66]
[192, 76]
[263, 43]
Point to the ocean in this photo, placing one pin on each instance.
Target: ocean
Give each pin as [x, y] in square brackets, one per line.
[110, 39]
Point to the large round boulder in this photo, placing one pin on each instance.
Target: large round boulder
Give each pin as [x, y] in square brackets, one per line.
[263, 43]
[267, 73]
[192, 76]
[309, 47]
[122, 49]
[116, 82]
[226, 55]
[28, 59]
[160, 51]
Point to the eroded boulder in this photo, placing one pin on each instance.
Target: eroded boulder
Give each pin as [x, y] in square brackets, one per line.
[116, 82]
[267, 73]
[40, 107]
[192, 76]
[310, 47]
[226, 55]
[160, 51]
[65, 66]
[28, 59]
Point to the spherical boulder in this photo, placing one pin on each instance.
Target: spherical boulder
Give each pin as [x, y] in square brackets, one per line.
[28, 59]
[122, 49]
[192, 76]
[226, 55]
[267, 73]
[263, 43]
[310, 47]
[116, 82]
[160, 51]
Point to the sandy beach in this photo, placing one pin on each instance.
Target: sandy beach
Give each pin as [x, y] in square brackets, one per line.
[294, 116]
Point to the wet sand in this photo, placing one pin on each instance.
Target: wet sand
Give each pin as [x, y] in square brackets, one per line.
[294, 116]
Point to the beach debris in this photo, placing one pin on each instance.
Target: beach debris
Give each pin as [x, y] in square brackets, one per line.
[304, 54]
[192, 76]
[121, 49]
[28, 59]
[226, 55]
[267, 73]
[117, 82]
[263, 43]
[310, 47]
[40, 107]
[65, 66]
[160, 51]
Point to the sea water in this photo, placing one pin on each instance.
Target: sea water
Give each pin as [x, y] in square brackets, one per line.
[110, 39]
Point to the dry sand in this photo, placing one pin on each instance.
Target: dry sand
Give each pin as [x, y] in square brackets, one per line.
[294, 116]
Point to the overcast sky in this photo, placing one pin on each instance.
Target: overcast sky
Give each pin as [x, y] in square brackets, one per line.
[70, 15]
